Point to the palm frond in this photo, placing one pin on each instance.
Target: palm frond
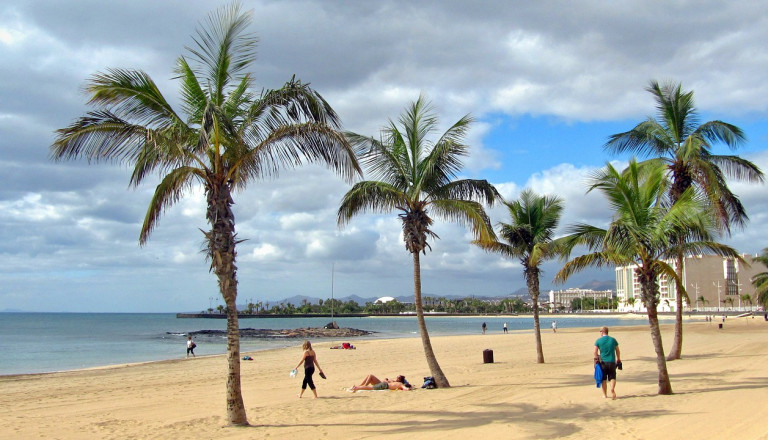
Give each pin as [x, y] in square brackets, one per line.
[223, 48]
[466, 213]
[170, 189]
[369, 196]
[100, 136]
[132, 95]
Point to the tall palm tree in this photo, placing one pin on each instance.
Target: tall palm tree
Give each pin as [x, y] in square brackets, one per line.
[414, 176]
[529, 237]
[685, 147]
[760, 281]
[643, 233]
[226, 136]
[702, 300]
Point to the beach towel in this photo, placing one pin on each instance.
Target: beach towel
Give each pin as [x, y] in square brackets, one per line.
[598, 374]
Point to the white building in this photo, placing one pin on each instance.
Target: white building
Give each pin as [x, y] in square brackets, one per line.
[713, 283]
[559, 299]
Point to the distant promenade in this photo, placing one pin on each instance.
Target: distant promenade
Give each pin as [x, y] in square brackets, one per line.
[296, 315]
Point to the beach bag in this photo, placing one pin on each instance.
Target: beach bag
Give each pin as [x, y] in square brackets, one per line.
[193, 346]
[429, 383]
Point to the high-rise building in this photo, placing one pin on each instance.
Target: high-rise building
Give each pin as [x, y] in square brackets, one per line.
[713, 284]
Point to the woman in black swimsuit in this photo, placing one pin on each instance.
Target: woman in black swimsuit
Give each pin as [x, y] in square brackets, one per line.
[309, 358]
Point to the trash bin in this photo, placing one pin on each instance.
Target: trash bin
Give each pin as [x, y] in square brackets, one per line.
[487, 356]
[720, 325]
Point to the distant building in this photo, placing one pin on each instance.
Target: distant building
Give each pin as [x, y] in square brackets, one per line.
[559, 299]
[713, 284]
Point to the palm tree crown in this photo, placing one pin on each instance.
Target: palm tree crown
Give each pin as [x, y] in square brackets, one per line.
[416, 177]
[685, 146]
[226, 136]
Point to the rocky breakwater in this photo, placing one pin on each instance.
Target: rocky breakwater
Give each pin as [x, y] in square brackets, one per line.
[298, 333]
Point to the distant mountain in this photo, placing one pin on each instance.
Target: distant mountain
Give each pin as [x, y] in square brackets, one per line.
[600, 285]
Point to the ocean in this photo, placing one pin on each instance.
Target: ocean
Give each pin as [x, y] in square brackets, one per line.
[49, 342]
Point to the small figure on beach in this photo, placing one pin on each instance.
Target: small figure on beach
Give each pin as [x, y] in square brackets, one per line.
[190, 346]
[372, 382]
[309, 358]
[483, 326]
[505, 327]
[554, 326]
[608, 354]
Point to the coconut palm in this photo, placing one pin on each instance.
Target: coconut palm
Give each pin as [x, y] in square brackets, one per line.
[415, 177]
[642, 233]
[702, 300]
[529, 237]
[226, 136]
[760, 281]
[685, 147]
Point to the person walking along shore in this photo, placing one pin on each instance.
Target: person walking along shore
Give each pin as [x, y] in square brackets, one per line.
[608, 354]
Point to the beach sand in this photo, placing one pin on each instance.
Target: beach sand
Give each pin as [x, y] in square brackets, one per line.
[721, 391]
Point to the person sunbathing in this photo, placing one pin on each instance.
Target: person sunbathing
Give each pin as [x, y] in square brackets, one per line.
[372, 382]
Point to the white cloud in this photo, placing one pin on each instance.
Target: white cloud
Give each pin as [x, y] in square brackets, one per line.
[68, 228]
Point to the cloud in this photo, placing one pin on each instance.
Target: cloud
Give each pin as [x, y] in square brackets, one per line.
[69, 230]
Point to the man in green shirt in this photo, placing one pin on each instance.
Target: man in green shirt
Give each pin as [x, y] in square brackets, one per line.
[607, 352]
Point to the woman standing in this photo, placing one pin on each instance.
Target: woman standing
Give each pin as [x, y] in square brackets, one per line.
[310, 360]
[190, 346]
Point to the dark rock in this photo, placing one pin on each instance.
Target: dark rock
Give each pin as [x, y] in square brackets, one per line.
[299, 333]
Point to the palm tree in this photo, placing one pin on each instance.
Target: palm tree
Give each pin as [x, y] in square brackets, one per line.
[702, 300]
[642, 233]
[415, 177]
[226, 137]
[747, 298]
[685, 147]
[529, 237]
[760, 281]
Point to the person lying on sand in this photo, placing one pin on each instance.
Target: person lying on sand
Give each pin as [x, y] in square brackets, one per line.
[344, 346]
[372, 382]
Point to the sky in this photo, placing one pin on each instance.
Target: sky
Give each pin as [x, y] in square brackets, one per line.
[547, 83]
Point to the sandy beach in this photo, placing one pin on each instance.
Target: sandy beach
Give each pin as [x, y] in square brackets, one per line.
[721, 391]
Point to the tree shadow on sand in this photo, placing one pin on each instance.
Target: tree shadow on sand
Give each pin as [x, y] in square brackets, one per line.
[535, 419]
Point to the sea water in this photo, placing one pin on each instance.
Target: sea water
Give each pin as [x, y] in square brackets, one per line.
[48, 342]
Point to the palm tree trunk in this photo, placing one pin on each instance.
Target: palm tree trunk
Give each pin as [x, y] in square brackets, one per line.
[221, 251]
[235, 406]
[532, 279]
[434, 367]
[665, 386]
[650, 298]
[677, 343]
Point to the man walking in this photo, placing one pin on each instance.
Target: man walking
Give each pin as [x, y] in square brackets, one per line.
[608, 353]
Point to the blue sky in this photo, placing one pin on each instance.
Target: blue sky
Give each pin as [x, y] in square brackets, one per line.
[547, 82]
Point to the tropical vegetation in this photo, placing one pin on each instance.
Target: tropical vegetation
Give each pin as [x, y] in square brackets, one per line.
[416, 176]
[529, 237]
[225, 136]
[685, 147]
[430, 304]
[643, 232]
